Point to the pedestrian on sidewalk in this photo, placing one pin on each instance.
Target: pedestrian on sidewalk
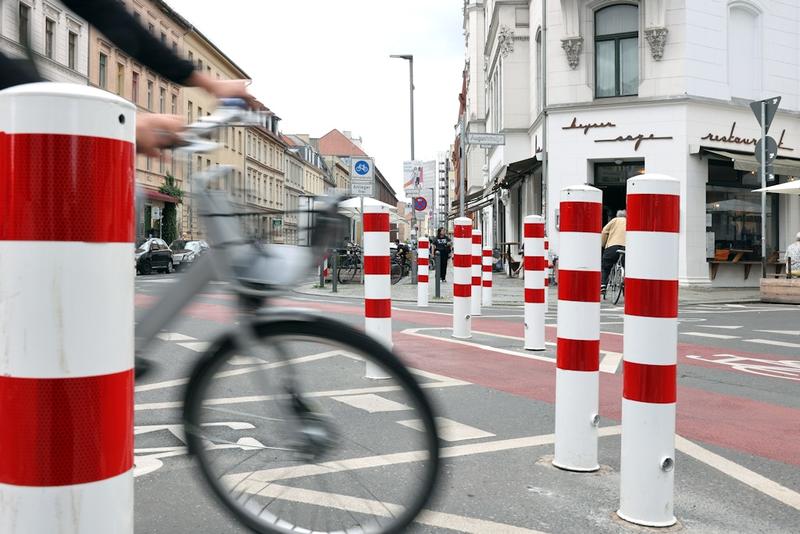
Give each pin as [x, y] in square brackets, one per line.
[793, 255]
[612, 240]
[443, 244]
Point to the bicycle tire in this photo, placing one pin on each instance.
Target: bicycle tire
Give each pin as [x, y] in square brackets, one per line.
[270, 331]
[619, 288]
[396, 273]
[347, 272]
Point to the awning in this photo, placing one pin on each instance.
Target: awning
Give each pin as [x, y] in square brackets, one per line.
[159, 196]
[519, 170]
[788, 188]
[747, 162]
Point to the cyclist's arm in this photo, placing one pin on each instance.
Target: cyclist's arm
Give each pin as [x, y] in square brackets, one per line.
[604, 235]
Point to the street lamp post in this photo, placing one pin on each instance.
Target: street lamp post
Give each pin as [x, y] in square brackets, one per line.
[414, 226]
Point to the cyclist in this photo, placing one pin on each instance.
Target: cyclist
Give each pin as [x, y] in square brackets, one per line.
[153, 132]
[612, 240]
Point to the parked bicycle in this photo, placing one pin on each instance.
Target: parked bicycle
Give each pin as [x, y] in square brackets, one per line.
[401, 263]
[348, 263]
[271, 410]
[615, 287]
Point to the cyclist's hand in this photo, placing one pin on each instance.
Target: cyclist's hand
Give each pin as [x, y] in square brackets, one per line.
[223, 88]
[157, 132]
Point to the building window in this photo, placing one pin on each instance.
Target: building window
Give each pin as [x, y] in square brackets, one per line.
[616, 30]
[190, 115]
[174, 108]
[72, 56]
[163, 37]
[175, 47]
[200, 64]
[103, 81]
[191, 57]
[735, 212]
[49, 35]
[149, 95]
[151, 28]
[744, 53]
[135, 87]
[162, 100]
[24, 29]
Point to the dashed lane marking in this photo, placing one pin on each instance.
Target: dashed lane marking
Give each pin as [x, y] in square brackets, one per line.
[450, 430]
[197, 346]
[740, 473]
[774, 342]
[709, 335]
[174, 336]
[781, 332]
[371, 403]
[721, 327]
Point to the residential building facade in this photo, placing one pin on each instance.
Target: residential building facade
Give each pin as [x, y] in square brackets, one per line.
[604, 90]
[58, 38]
[264, 189]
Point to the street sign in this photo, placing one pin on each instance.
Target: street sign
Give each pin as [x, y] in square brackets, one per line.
[771, 106]
[489, 139]
[420, 204]
[362, 176]
[771, 151]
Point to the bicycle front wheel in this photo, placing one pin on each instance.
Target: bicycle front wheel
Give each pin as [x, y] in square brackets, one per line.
[292, 438]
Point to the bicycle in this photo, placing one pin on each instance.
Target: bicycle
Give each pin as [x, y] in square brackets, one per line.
[349, 263]
[400, 266]
[615, 286]
[291, 378]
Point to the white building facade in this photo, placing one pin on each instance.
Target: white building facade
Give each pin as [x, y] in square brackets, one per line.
[58, 38]
[617, 88]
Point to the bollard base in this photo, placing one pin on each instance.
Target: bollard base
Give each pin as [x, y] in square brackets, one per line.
[660, 524]
[576, 469]
[536, 349]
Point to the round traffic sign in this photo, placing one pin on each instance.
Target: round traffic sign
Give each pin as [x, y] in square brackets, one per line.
[361, 167]
[420, 203]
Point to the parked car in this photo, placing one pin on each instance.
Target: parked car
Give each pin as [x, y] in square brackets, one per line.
[184, 253]
[153, 255]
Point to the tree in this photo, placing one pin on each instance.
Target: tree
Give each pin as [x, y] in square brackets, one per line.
[169, 221]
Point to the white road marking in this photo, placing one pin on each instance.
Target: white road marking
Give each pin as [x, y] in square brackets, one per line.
[709, 335]
[450, 430]
[380, 508]
[197, 346]
[245, 360]
[174, 336]
[610, 362]
[371, 403]
[740, 473]
[310, 395]
[719, 326]
[781, 332]
[774, 342]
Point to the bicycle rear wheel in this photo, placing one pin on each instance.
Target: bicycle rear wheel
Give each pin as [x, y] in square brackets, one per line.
[347, 272]
[619, 287]
[291, 438]
[396, 272]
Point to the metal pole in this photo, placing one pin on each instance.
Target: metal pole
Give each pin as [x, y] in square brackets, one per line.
[545, 162]
[361, 197]
[411, 81]
[438, 275]
[335, 272]
[461, 158]
[322, 273]
[763, 193]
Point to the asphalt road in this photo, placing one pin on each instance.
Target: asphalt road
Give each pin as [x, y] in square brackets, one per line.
[738, 459]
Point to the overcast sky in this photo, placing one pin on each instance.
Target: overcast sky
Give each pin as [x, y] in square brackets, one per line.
[324, 64]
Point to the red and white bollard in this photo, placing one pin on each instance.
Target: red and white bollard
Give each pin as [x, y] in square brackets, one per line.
[377, 282]
[650, 351]
[486, 289]
[477, 268]
[534, 285]
[578, 350]
[546, 271]
[462, 278]
[66, 373]
[423, 250]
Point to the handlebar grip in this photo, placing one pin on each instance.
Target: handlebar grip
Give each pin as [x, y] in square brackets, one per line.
[233, 103]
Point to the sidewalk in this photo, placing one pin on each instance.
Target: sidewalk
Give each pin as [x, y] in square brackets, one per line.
[509, 292]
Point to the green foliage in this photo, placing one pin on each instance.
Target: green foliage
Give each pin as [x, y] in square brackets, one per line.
[169, 224]
[171, 188]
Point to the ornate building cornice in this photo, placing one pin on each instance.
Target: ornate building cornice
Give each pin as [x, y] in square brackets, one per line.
[572, 47]
[656, 38]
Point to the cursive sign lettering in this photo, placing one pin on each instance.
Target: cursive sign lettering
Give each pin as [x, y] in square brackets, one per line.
[735, 139]
[637, 139]
[588, 126]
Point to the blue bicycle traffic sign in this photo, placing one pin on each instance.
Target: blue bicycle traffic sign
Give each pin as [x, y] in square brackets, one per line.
[361, 167]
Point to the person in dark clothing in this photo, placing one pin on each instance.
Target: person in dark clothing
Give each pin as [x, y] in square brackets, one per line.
[115, 22]
[442, 245]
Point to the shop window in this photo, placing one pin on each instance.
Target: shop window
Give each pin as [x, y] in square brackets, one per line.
[733, 213]
[616, 30]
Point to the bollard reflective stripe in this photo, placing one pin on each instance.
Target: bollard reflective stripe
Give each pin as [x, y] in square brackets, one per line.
[649, 369]
[534, 283]
[66, 375]
[477, 272]
[462, 278]
[486, 289]
[578, 347]
[423, 269]
[377, 282]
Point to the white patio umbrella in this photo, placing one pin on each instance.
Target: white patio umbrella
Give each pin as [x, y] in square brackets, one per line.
[352, 206]
[789, 188]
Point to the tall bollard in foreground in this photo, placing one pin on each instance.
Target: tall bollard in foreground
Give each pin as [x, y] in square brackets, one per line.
[66, 374]
[477, 279]
[649, 372]
[423, 250]
[486, 289]
[578, 350]
[534, 285]
[462, 278]
[377, 282]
